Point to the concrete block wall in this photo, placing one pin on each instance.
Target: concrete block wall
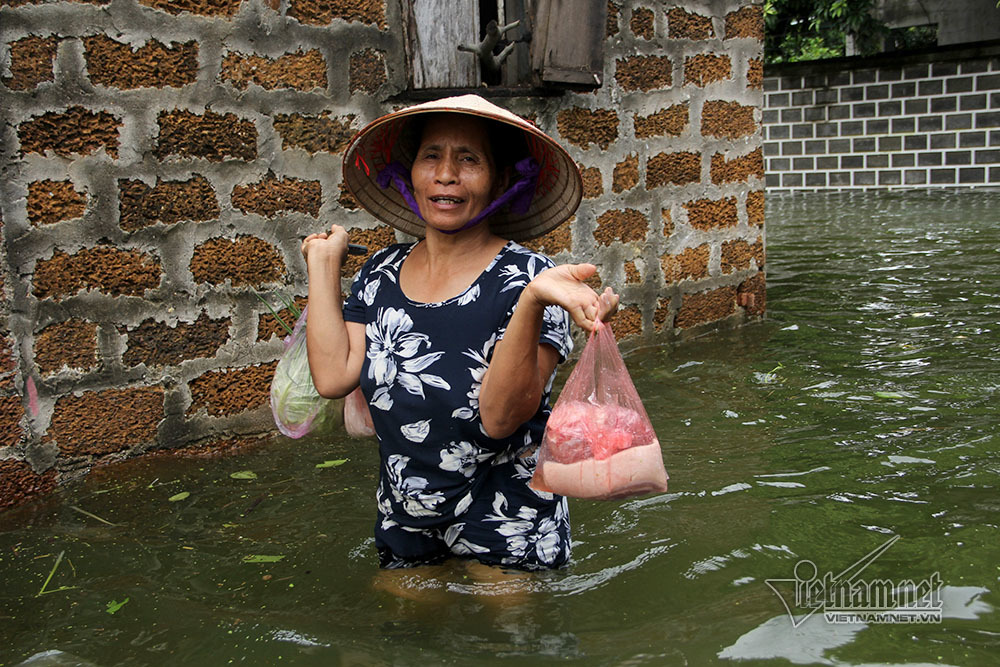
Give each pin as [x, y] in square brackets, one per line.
[930, 119]
[161, 162]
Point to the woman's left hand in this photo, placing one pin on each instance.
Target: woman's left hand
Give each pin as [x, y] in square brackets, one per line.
[564, 286]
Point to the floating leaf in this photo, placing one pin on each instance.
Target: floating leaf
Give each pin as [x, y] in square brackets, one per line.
[258, 558]
[114, 606]
[180, 496]
[889, 394]
[244, 474]
[331, 464]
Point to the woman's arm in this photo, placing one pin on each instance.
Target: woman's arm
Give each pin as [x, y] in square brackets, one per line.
[521, 367]
[335, 347]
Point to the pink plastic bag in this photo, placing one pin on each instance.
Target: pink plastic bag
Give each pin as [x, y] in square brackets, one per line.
[599, 442]
[357, 415]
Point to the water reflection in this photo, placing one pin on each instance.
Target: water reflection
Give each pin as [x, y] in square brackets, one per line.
[865, 407]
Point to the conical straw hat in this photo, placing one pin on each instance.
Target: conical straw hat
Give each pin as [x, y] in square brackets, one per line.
[557, 194]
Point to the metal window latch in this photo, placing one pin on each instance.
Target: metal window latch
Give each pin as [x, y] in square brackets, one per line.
[488, 61]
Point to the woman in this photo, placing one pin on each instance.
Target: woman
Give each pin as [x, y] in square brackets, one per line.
[455, 339]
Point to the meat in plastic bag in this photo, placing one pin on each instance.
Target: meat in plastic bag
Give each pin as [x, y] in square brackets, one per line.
[599, 442]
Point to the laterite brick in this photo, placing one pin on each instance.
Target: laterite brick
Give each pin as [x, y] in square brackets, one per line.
[322, 12]
[752, 295]
[704, 307]
[222, 8]
[593, 182]
[271, 196]
[70, 344]
[673, 169]
[81, 424]
[736, 255]
[314, 134]
[583, 127]
[668, 222]
[346, 199]
[382, 236]
[642, 23]
[246, 261]
[155, 65]
[557, 240]
[168, 202]
[644, 73]
[31, 62]
[727, 120]
[755, 208]
[662, 314]
[632, 274]
[300, 71]
[627, 322]
[366, 71]
[19, 483]
[670, 122]
[626, 174]
[158, 344]
[211, 136]
[691, 264]
[627, 226]
[231, 391]
[747, 22]
[706, 68]
[738, 169]
[686, 25]
[50, 202]
[267, 324]
[113, 271]
[11, 412]
[708, 214]
[75, 131]
[614, 13]
[755, 74]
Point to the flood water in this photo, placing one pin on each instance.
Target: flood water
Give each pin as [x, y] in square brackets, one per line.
[865, 408]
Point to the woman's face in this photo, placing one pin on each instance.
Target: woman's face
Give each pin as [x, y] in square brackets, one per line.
[453, 173]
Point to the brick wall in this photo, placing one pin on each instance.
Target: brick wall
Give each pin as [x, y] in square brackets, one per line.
[161, 162]
[929, 119]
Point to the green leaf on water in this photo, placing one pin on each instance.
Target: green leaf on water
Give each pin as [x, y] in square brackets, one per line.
[888, 394]
[258, 558]
[331, 464]
[179, 496]
[114, 605]
[244, 474]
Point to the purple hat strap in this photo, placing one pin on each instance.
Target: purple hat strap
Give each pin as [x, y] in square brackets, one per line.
[518, 196]
[400, 177]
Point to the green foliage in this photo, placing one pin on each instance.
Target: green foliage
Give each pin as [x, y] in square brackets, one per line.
[812, 29]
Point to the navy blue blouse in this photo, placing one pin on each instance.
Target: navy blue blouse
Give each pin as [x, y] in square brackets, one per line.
[422, 373]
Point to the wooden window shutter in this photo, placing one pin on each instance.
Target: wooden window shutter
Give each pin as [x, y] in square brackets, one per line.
[434, 30]
[568, 46]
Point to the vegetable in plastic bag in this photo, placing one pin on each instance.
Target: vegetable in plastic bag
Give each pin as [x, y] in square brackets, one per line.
[599, 442]
[297, 407]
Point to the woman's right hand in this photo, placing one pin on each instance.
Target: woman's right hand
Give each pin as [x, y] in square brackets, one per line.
[332, 245]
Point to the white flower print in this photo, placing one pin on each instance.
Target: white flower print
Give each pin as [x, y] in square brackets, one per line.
[392, 350]
[525, 532]
[459, 545]
[370, 290]
[477, 371]
[462, 457]
[389, 266]
[514, 277]
[471, 295]
[417, 431]
[410, 491]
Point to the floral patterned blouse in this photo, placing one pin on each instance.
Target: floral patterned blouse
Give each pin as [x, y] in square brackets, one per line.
[445, 487]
